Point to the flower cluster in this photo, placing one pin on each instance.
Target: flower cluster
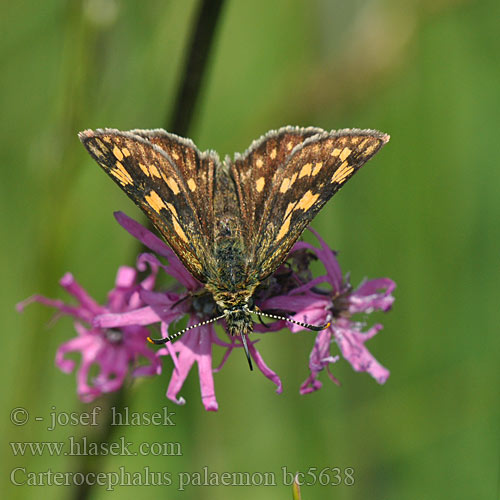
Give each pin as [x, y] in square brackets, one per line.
[114, 336]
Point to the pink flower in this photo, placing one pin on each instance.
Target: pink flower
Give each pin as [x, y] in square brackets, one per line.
[115, 351]
[114, 335]
[337, 305]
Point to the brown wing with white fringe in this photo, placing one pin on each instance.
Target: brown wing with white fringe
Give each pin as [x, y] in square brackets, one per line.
[303, 171]
[170, 180]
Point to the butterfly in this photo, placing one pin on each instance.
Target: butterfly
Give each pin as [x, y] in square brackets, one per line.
[232, 223]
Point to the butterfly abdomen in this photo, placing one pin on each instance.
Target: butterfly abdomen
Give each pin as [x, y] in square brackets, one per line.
[231, 285]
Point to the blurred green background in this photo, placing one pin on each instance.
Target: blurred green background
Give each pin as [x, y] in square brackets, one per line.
[424, 212]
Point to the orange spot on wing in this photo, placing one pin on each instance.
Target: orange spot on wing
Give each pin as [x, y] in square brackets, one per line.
[155, 202]
[118, 154]
[289, 209]
[362, 145]
[120, 172]
[172, 209]
[342, 172]
[305, 170]
[154, 171]
[144, 169]
[317, 168]
[284, 229]
[369, 150]
[180, 232]
[173, 185]
[307, 201]
[94, 149]
[345, 153]
[285, 185]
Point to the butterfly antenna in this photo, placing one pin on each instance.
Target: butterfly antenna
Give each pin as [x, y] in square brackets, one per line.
[245, 346]
[315, 328]
[174, 336]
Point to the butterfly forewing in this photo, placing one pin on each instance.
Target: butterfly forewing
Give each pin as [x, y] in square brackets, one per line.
[175, 192]
[254, 170]
[313, 172]
[196, 168]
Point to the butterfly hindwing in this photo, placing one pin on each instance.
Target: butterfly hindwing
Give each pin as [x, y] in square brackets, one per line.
[170, 180]
[308, 177]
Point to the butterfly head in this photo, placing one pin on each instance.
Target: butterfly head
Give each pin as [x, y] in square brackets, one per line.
[239, 322]
[237, 306]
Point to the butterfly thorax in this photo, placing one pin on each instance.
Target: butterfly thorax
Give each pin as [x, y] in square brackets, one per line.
[229, 281]
[231, 269]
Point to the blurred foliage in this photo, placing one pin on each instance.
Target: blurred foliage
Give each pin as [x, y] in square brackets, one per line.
[424, 212]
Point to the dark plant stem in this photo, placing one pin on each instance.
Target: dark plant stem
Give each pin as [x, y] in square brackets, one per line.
[200, 44]
[103, 433]
[195, 65]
